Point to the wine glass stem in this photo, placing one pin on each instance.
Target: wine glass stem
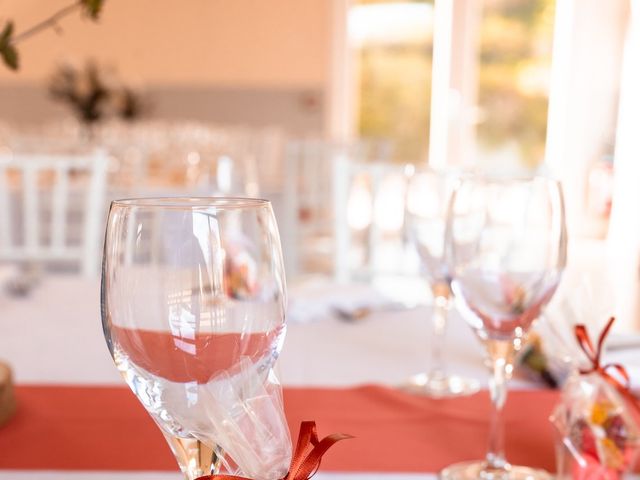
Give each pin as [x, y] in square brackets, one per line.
[195, 458]
[440, 314]
[500, 355]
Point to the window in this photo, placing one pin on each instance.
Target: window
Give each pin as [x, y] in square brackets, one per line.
[392, 43]
[514, 65]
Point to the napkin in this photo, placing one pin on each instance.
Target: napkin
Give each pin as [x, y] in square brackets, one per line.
[321, 301]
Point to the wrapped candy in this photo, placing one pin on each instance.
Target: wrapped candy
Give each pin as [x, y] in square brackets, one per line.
[597, 419]
[599, 437]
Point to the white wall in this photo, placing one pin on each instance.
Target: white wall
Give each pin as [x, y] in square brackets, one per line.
[254, 46]
[624, 231]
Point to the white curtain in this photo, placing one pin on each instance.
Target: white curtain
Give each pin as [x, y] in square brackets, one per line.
[624, 230]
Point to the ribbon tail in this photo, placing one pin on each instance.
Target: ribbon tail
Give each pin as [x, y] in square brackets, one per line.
[603, 335]
[312, 461]
[620, 370]
[308, 436]
[302, 468]
[585, 344]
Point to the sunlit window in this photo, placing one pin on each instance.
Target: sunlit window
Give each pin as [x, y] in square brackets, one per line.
[515, 44]
[393, 49]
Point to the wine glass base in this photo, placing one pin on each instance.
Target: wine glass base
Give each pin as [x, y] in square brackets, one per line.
[441, 386]
[478, 471]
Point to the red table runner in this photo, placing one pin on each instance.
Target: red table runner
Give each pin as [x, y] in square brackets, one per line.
[105, 428]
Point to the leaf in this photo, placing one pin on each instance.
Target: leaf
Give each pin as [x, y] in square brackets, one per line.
[92, 7]
[8, 52]
[5, 36]
[9, 56]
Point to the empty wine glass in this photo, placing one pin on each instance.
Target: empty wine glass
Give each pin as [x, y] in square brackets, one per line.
[506, 248]
[427, 198]
[193, 303]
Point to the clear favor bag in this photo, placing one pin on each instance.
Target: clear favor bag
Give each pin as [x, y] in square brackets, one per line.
[596, 420]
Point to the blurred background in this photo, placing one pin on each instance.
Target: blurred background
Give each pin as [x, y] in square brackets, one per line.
[318, 104]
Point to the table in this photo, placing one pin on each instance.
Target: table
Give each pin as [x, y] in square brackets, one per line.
[62, 316]
[65, 348]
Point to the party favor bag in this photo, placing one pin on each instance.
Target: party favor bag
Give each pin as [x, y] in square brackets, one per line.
[597, 419]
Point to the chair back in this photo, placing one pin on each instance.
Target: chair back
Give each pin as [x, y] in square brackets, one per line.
[52, 208]
[308, 220]
[368, 203]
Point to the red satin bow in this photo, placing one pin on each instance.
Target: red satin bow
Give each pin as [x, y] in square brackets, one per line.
[303, 465]
[594, 354]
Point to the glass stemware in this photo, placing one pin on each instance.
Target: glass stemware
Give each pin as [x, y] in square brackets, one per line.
[506, 249]
[428, 194]
[193, 303]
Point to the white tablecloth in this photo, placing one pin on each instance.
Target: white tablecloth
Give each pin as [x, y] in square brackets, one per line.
[54, 336]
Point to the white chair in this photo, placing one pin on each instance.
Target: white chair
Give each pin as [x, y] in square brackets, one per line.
[261, 153]
[368, 203]
[52, 208]
[307, 222]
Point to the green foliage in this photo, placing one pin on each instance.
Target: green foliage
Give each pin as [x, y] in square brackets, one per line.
[85, 91]
[526, 12]
[8, 40]
[514, 59]
[7, 50]
[130, 105]
[515, 47]
[92, 8]
[395, 97]
[94, 94]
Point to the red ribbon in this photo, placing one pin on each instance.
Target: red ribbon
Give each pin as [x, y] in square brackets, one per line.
[594, 354]
[303, 465]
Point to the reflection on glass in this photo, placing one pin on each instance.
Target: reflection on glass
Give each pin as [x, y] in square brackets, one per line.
[193, 300]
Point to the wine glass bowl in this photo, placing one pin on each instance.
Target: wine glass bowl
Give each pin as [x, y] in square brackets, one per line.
[193, 304]
[505, 249]
[428, 194]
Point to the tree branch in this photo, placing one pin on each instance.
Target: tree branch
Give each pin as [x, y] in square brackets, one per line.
[47, 23]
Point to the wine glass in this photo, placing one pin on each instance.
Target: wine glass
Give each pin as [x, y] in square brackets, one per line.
[427, 198]
[193, 309]
[506, 247]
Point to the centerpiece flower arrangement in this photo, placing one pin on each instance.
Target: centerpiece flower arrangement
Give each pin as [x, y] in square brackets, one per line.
[94, 93]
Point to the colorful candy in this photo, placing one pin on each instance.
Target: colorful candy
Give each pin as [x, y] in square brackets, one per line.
[597, 430]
